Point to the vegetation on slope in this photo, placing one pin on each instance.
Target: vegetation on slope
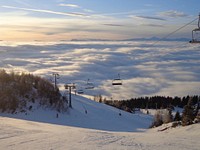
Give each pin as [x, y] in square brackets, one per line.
[18, 92]
[164, 106]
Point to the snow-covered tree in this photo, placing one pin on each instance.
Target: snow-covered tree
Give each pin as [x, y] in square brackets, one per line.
[158, 120]
[167, 116]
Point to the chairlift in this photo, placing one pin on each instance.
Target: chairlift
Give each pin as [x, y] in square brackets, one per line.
[117, 81]
[196, 34]
[89, 85]
[80, 91]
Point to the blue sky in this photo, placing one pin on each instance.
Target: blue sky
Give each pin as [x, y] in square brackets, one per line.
[103, 19]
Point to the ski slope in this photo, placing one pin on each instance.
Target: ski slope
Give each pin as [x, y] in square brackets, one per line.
[20, 135]
[100, 128]
[86, 113]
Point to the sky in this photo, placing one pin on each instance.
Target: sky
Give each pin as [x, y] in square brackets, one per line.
[54, 20]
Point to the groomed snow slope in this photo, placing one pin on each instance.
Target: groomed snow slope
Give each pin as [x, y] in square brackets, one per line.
[100, 128]
[16, 134]
[86, 113]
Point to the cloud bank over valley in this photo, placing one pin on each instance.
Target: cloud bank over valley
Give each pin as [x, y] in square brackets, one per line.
[165, 68]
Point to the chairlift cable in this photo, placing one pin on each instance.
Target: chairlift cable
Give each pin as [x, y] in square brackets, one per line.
[176, 30]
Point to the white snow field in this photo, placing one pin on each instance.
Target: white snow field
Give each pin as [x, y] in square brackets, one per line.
[100, 128]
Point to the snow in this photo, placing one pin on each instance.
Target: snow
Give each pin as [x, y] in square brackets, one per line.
[101, 128]
[86, 113]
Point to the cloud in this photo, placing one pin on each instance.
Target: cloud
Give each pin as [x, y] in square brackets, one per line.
[173, 14]
[170, 68]
[116, 13]
[153, 25]
[115, 25]
[47, 11]
[76, 6]
[69, 5]
[148, 17]
[88, 10]
[90, 25]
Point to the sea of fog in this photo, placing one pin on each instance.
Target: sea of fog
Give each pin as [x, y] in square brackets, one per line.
[146, 68]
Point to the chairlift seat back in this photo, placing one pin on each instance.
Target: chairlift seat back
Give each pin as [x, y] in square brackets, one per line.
[89, 86]
[117, 82]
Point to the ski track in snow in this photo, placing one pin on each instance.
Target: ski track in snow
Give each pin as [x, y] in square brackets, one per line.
[39, 139]
[19, 134]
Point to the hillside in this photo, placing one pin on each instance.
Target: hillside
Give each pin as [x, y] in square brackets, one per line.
[21, 91]
[100, 128]
[88, 114]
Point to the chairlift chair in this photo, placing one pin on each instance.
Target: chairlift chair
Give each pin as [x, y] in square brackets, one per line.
[80, 91]
[117, 81]
[196, 33]
[89, 85]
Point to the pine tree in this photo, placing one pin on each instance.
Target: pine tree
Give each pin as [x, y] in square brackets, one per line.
[188, 113]
[177, 116]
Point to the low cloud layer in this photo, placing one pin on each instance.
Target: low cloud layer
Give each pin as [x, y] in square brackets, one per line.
[149, 17]
[173, 14]
[166, 68]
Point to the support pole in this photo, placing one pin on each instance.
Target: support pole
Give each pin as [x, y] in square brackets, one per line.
[70, 97]
[55, 80]
[70, 87]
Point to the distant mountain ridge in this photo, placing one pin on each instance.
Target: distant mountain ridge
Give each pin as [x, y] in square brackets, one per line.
[157, 39]
[137, 39]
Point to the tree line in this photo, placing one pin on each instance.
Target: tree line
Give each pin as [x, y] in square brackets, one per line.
[154, 102]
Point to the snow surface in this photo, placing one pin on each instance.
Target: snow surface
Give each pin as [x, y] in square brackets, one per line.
[101, 128]
[86, 113]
